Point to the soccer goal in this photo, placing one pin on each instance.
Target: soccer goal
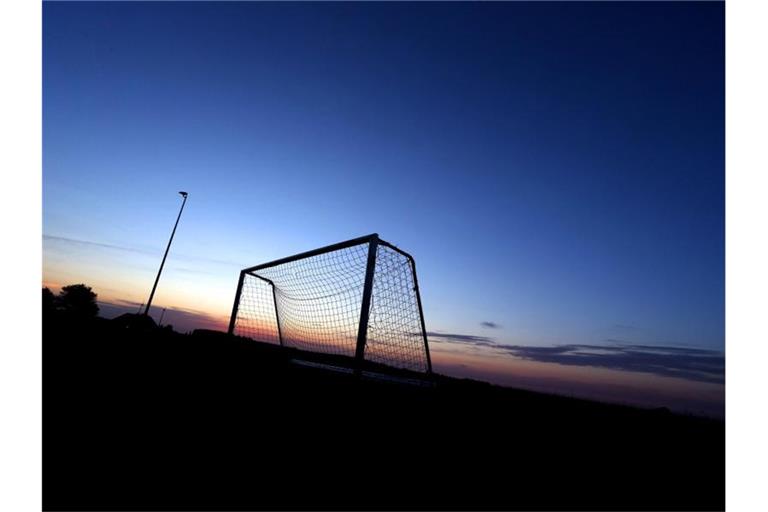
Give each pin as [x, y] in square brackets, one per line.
[358, 298]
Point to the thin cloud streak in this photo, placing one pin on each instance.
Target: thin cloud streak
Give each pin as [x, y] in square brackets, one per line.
[98, 244]
[469, 339]
[182, 319]
[136, 250]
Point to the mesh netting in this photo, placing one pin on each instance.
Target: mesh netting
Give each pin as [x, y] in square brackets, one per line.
[395, 336]
[318, 302]
[314, 304]
[256, 317]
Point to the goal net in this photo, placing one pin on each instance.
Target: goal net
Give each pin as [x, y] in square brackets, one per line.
[358, 298]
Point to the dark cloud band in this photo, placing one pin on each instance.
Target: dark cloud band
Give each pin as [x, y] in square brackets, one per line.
[696, 364]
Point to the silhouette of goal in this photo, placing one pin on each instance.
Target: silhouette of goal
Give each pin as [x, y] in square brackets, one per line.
[358, 298]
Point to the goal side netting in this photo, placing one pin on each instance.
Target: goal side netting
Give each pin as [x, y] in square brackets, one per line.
[316, 302]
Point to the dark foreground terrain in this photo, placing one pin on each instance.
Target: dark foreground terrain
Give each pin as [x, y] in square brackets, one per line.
[158, 420]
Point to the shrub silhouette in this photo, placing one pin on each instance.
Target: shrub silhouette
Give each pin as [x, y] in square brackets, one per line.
[78, 300]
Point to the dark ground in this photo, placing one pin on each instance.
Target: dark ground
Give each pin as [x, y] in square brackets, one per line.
[161, 420]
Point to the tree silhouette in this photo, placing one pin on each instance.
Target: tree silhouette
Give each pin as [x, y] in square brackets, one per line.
[49, 302]
[78, 300]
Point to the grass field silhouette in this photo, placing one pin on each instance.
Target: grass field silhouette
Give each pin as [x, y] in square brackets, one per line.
[146, 418]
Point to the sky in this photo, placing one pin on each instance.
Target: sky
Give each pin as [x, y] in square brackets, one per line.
[556, 169]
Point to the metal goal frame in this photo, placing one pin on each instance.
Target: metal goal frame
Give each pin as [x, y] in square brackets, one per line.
[373, 241]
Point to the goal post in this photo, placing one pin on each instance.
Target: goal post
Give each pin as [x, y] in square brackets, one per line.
[359, 298]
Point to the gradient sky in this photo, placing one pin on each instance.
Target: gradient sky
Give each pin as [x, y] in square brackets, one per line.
[557, 169]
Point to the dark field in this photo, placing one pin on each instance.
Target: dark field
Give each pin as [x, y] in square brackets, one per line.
[158, 420]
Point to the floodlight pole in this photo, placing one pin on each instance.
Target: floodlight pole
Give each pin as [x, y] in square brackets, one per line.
[154, 287]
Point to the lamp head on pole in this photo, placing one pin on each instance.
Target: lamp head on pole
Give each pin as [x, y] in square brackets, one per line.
[184, 194]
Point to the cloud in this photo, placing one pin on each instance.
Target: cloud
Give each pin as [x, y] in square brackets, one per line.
[182, 319]
[697, 364]
[187, 320]
[111, 309]
[147, 252]
[490, 325]
[98, 244]
[121, 303]
[687, 363]
[469, 339]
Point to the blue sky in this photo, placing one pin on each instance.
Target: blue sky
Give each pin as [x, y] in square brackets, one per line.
[557, 169]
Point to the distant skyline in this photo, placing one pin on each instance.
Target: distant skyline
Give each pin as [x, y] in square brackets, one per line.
[556, 169]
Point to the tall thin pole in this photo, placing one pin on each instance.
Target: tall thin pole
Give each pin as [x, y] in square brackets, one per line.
[151, 295]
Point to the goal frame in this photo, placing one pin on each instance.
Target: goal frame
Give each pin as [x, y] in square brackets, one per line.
[373, 240]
